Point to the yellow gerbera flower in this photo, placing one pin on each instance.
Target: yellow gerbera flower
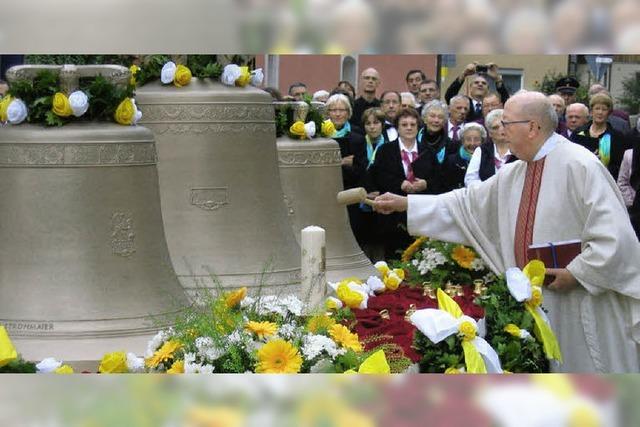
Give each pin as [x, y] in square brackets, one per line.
[317, 323]
[408, 253]
[261, 329]
[234, 298]
[278, 357]
[341, 335]
[177, 367]
[164, 354]
[463, 256]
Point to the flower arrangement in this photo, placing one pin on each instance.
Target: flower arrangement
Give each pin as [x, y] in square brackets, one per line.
[179, 75]
[235, 333]
[441, 262]
[235, 75]
[286, 123]
[353, 293]
[41, 100]
[451, 342]
[516, 324]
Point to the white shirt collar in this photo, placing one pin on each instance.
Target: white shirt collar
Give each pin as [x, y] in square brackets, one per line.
[412, 149]
[548, 145]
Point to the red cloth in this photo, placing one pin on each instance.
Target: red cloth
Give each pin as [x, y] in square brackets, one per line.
[369, 321]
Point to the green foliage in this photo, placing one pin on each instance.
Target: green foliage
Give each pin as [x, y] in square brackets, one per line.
[501, 309]
[437, 358]
[150, 69]
[204, 66]
[78, 59]
[631, 98]
[285, 118]
[19, 366]
[104, 97]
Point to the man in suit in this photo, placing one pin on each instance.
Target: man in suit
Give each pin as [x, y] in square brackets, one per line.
[479, 87]
[558, 104]
[458, 112]
[390, 102]
[577, 116]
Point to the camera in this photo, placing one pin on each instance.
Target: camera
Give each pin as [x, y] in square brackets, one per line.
[482, 68]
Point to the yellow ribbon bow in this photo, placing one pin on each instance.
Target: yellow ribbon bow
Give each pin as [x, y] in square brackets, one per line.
[472, 358]
[535, 271]
[374, 364]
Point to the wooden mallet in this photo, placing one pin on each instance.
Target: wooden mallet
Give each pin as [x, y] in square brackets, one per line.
[354, 195]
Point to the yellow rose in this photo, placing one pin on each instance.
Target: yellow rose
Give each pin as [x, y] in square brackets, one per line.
[64, 369]
[452, 371]
[134, 70]
[177, 367]
[349, 297]
[327, 128]
[114, 363]
[298, 130]
[245, 77]
[8, 352]
[332, 303]
[125, 112]
[4, 106]
[234, 298]
[536, 297]
[392, 281]
[512, 330]
[382, 267]
[61, 106]
[399, 272]
[182, 76]
[467, 330]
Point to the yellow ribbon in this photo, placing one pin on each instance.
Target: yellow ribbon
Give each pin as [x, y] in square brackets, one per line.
[375, 364]
[8, 352]
[472, 359]
[535, 271]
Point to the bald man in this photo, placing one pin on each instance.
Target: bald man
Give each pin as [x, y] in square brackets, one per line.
[577, 115]
[369, 83]
[557, 191]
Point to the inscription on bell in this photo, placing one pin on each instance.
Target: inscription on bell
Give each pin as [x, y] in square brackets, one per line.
[122, 234]
[209, 199]
[29, 326]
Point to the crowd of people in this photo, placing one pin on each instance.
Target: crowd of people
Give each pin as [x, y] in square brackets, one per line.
[412, 142]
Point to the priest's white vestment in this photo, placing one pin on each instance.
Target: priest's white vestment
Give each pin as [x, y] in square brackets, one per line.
[598, 323]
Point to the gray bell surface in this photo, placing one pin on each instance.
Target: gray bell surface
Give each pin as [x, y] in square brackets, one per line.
[311, 177]
[84, 264]
[220, 188]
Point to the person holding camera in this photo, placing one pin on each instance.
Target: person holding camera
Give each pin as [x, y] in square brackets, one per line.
[479, 87]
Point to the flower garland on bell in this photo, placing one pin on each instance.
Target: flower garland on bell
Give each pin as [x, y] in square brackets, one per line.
[286, 125]
[41, 100]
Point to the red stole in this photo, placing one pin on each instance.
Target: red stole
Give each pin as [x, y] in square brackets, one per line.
[527, 211]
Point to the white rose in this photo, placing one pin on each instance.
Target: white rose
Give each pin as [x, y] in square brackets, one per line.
[48, 365]
[168, 72]
[310, 129]
[138, 115]
[79, 103]
[17, 112]
[135, 364]
[230, 74]
[257, 76]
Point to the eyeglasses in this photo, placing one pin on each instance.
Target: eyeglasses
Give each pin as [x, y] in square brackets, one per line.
[513, 122]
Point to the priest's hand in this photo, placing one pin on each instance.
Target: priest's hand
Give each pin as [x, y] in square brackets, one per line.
[389, 203]
[564, 280]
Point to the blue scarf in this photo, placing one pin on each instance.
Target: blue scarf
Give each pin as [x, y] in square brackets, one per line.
[346, 129]
[464, 154]
[604, 149]
[371, 151]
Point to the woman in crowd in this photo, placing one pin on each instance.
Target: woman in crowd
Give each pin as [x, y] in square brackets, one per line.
[455, 166]
[434, 139]
[348, 87]
[600, 137]
[352, 150]
[492, 154]
[399, 168]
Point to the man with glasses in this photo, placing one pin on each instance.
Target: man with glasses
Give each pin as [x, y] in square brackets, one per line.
[479, 87]
[369, 83]
[557, 191]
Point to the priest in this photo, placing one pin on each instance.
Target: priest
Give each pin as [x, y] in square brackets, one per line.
[557, 191]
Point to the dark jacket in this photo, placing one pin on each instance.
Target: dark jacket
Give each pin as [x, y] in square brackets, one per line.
[453, 171]
[487, 161]
[619, 143]
[433, 144]
[353, 144]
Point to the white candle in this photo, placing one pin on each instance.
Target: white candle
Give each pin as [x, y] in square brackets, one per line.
[313, 265]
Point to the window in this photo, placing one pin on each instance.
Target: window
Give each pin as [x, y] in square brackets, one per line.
[512, 78]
